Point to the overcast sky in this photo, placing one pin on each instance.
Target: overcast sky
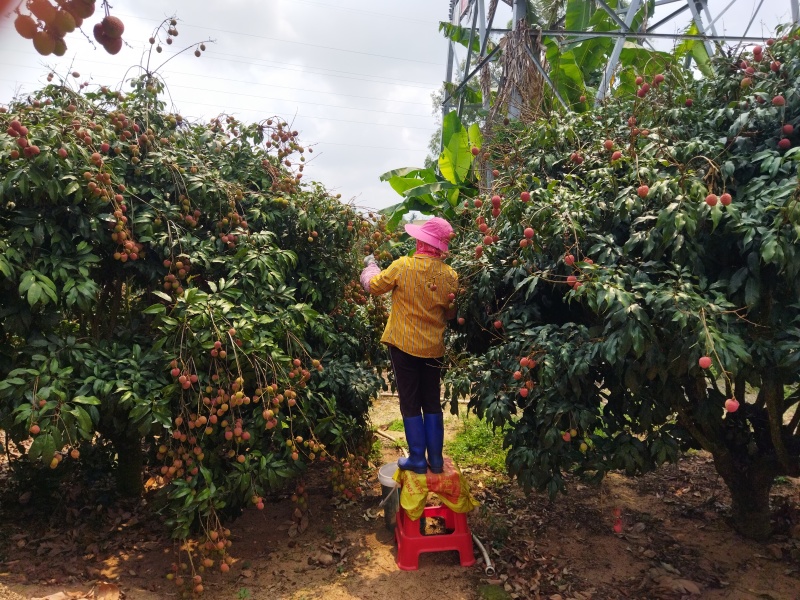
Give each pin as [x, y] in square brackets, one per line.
[354, 77]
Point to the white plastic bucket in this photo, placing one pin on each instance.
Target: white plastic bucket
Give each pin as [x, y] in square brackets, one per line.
[385, 474]
[390, 494]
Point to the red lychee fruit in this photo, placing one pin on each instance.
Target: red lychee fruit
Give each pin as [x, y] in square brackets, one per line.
[25, 26]
[113, 46]
[113, 27]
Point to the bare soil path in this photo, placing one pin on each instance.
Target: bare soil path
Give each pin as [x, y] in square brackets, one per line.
[675, 544]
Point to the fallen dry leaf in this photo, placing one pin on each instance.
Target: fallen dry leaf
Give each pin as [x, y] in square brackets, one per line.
[106, 591]
[679, 585]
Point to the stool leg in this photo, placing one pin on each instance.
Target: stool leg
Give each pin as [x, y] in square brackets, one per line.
[467, 557]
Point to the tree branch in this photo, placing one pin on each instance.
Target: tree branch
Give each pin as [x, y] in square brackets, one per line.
[761, 398]
[740, 387]
[100, 312]
[695, 393]
[793, 399]
[772, 389]
[794, 424]
[113, 312]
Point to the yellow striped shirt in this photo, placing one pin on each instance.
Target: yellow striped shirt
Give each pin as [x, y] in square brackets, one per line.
[420, 287]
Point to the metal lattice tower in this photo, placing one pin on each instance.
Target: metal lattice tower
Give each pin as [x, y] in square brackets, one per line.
[474, 13]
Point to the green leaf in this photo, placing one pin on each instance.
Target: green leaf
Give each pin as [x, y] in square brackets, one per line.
[83, 418]
[698, 51]
[402, 184]
[155, 309]
[71, 188]
[565, 73]
[460, 35]
[402, 172]
[752, 292]
[768, 250]
[5, 267]
[451, 125]
[456, 158]
[429, 188]
[396, 217]
[738, 280]
[34, 293]
[26, 281]
[475, 135]
[578, 14]
[44, 447]
[90, 400]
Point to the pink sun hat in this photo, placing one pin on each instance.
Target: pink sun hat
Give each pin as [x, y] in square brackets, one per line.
[435, 232]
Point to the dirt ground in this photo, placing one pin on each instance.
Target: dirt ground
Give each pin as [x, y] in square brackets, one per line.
[674, 544]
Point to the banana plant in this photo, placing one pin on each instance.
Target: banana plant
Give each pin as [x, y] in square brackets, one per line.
[438, 192]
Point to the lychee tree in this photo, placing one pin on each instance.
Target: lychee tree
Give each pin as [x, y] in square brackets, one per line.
[638, 292]
[174, 289]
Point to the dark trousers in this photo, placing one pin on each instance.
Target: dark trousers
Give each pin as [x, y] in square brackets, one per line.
[418, 382]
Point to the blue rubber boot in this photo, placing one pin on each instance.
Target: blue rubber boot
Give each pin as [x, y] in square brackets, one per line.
[415, 436]
[434, 440]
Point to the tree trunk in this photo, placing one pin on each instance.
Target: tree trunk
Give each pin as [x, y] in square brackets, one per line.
[749, 485]
[130, 463]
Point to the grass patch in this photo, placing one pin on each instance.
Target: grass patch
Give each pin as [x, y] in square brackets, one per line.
[376, 451]
[477, 445]
[396, 425]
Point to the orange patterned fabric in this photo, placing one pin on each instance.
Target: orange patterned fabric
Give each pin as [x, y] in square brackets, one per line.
[420, 287]
[451, 487]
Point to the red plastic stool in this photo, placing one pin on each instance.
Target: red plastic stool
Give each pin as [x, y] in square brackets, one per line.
[411, 543]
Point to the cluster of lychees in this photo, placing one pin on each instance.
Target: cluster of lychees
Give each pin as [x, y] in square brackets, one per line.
[108, 34]
[232, 225]
[345, 476]
[529, 363]
[47, 24]
[20, 132]
[178, 272]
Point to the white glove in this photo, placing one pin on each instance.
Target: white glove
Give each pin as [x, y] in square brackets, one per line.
[369, 260]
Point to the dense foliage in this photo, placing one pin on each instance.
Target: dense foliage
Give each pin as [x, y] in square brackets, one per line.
[172, 288]
[617, 248]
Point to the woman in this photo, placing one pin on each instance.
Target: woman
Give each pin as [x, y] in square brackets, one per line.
[423, 288]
